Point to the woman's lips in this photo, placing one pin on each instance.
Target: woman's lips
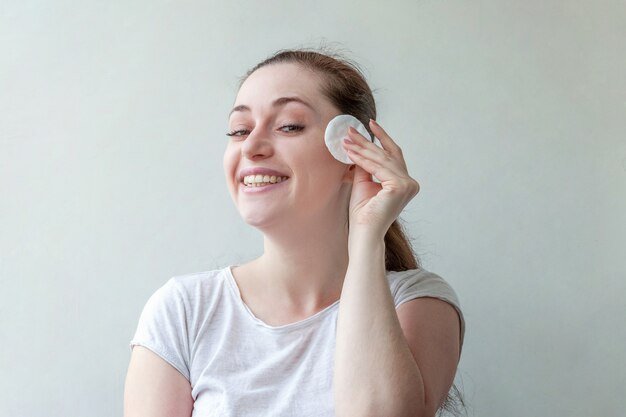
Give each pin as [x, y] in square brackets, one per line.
[256, 171]
[258, 179]
[261, 180]
[262, 186]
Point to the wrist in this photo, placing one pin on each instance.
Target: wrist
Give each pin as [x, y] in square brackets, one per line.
[365, 240]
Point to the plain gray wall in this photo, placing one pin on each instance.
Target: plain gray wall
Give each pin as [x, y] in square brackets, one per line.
[511, 115]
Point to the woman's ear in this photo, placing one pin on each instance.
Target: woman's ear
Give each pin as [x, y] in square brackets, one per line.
[348, 176]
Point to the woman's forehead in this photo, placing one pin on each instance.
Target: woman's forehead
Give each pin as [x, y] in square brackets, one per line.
[274, 81]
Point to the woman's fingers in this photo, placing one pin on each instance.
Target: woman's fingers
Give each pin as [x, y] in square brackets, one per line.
[357, 137]
[372, 153]
[391, 183]
[367, 148]
[371, 201]
[388, 144]
[361, 175]
[387, 164]
[370, 166]
[389, 147]
[388, 173]
[391, 157]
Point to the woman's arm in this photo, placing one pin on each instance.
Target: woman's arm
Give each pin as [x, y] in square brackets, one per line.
[387, 362]
[154, 388]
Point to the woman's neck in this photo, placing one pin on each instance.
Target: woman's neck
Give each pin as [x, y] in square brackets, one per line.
[302, 271]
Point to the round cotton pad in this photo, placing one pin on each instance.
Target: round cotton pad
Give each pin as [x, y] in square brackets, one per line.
[337, 130]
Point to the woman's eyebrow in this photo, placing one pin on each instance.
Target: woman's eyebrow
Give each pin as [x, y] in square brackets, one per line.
[276, 103]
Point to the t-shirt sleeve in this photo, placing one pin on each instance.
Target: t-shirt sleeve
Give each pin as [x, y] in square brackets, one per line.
[162, 327]
[408, 285]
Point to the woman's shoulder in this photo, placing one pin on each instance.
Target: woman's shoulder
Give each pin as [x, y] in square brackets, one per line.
[200, 277]
[201, 284]
[413, 283]
[416, 283]
[192, 296]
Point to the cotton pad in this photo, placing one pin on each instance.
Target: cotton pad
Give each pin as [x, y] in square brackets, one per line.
[337, 130]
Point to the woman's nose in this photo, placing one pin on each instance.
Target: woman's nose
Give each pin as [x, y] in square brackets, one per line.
[257, 145]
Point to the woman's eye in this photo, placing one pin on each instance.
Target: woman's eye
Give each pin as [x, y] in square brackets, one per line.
[239, 132]
[291, 128]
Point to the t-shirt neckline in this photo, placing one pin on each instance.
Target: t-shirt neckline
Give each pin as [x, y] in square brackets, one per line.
[285, 327]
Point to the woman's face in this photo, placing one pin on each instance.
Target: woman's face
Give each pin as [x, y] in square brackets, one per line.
[277, 133]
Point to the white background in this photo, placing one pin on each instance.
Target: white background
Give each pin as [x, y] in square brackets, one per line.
[512, 115]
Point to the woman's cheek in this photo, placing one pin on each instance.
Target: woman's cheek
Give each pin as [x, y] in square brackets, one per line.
[230, 160]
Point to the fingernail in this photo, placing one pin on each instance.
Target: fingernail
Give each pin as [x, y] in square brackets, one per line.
[374, 122]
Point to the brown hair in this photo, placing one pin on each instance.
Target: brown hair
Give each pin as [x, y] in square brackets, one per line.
[345, 86]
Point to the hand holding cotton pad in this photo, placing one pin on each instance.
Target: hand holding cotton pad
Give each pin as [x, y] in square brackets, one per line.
[337, 130]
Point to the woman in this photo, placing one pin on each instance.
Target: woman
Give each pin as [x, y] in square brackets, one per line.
[335, 317]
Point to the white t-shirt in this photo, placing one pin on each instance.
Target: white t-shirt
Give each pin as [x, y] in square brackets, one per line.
[238, 365]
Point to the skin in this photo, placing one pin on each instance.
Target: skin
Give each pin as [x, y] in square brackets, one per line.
[388, 361]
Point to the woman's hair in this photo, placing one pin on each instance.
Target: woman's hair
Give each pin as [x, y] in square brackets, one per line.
[344, 85]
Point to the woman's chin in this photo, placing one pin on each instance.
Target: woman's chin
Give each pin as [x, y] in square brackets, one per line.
[260, 220]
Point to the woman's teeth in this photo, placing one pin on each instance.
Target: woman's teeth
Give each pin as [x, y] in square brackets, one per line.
[261, 180]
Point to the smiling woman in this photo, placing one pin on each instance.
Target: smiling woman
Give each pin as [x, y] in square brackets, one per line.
[336, 317]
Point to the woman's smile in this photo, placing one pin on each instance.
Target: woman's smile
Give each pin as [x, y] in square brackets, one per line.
[263, 186]
[262, 180]
[257, 179]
